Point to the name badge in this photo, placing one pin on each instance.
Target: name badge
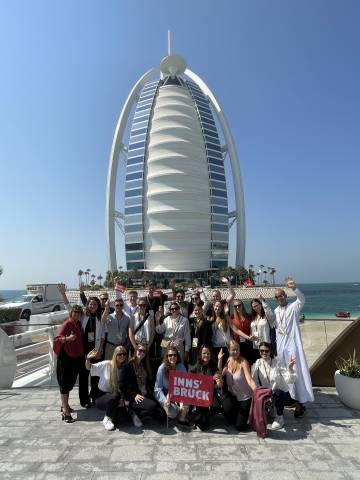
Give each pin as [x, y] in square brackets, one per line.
[91, 337]
[195, 342]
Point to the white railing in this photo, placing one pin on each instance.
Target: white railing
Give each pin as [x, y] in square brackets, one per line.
[40, 368]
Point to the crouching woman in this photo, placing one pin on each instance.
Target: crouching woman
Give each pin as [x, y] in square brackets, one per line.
[238, 388]
[269, 372]
[108, 397]
[205, 366]
[171, 361]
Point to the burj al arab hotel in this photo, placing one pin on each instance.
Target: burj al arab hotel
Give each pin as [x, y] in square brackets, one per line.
[175, 216]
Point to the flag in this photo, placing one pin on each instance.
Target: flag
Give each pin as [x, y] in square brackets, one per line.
[248, 282]
[119, 288]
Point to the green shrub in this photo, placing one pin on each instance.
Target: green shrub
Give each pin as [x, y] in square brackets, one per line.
[10, 315]
[349, 367]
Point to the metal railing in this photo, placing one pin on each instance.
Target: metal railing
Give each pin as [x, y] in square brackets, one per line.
[35, 358]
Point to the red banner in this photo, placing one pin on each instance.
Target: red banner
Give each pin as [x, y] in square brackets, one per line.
[119, 287]
[191, 388]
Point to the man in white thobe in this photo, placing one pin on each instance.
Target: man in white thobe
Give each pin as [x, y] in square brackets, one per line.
[289, 344]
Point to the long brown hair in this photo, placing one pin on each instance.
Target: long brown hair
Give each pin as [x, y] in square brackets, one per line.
[253, 314]
[167, 365]
[242, 317]
[220, 318]
[144, 361]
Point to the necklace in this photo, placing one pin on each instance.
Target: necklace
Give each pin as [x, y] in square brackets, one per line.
[282, 321]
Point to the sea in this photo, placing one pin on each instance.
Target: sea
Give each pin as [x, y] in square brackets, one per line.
[323, 300]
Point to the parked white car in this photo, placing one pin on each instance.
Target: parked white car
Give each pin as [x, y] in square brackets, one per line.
[40, 298]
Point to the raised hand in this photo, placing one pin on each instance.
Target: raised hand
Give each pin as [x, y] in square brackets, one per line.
[61, 287]
[292, 362]
[290, 283]
[91, 354]
[221, 354]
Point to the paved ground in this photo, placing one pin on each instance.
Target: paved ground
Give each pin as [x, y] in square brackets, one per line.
[36, 444]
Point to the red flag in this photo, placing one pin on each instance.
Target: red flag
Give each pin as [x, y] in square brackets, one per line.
[248, 282]
[191, 388]
[119, 287]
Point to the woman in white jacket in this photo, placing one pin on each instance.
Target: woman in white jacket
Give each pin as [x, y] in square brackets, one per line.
[269, 372]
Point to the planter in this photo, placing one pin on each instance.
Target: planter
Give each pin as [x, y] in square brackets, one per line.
[348, 389]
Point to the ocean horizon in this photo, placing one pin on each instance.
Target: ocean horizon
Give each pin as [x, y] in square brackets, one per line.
[323, 300]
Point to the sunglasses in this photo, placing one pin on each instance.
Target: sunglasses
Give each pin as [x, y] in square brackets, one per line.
[141, 350]
[279, 296]
[142, 304]
[264, 351]
[121, 354]
[174, 309]
[172, 355]
[195, 298]
[104, 299]
[238, 305]
[119, 305]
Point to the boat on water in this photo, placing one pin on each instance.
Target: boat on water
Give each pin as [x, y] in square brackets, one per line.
[342, 314]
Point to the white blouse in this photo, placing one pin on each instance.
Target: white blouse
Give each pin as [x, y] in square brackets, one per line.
[102, 370]
[260, 327]
[272, 375]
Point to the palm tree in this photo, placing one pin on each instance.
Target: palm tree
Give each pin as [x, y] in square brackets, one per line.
[251, 272]
[265, 280]
[272, 273]
[80, 274]
[1, 270]
[261, 268]
[87, 274]
[99, 277]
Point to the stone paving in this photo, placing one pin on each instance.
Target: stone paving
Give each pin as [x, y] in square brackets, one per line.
[36, 444]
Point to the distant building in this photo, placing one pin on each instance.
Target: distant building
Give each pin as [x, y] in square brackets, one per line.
[176, 216]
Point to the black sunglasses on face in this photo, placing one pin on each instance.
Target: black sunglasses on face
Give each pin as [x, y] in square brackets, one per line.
[174, 309]
[264, 351]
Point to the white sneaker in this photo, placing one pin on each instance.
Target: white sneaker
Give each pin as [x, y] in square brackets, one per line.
[136, 420]
[108, 424]
[278, 422]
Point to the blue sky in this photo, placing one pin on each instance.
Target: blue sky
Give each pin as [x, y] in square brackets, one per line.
[286, 73]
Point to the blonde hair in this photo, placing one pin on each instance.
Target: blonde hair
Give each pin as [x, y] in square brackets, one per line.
[114, 369]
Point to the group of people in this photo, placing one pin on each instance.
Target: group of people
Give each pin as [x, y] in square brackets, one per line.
[130, 349]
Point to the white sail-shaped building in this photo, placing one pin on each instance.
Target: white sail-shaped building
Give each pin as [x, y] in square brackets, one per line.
[176, 215]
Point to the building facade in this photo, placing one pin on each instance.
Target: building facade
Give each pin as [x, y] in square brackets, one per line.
[176, 215]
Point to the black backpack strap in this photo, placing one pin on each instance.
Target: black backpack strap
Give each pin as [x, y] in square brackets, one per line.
[141, 323]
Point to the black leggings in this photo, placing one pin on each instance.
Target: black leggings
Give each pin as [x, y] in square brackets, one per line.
[236, 412]
[145, 408]
[280, 399]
